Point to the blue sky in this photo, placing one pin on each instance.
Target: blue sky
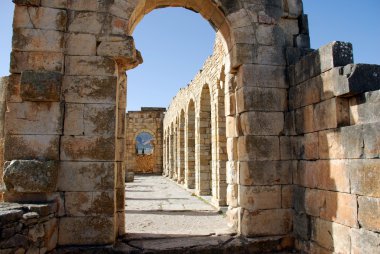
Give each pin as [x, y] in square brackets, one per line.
[175, 42]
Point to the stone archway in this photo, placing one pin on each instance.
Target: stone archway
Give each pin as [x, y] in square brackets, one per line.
[72, 72]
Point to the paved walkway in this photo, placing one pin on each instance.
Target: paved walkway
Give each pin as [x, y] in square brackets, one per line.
[156, 206]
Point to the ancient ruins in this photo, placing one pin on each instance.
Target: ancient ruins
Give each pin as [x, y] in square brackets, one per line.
[287, 137]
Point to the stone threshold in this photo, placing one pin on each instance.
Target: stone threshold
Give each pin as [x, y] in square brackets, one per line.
[169, 244]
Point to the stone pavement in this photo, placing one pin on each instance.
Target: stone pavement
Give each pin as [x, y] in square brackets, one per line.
[158, 206]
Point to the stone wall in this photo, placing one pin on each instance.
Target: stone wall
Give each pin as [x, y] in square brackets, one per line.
[147, 120]
[28, 228]
[332, 139]
[195, 130]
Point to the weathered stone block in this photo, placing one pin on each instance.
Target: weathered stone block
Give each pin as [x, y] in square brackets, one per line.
[89, 203]
[327, 57]
[84, 89]
[340, 208]
[302, 226]
[363, 108]
[269, 55]
[262, 99]
[365, 177]
[25, 39]
[259, 197]
[74, 119]
[31, 176]
[369, 209]
[306, 93]
[258, 148]
[39, 18]
[129, 177]
[287, 196]
[304, 119]
[266, 222]
[95, 148]
[80, 44]
[331, 114]
[86, 176]
[364, 241]
[90, 65]
[332, 236]
[89, 5]
[232, 195]
[27, 2]
[86, 230]
[86, 22]
[371, 136]
[34, 118]
[99, 119]
[59, 4]
[262, 123]
[261, 76]
[266, 172]
[118, 47]
[231, 172]
[29, 147]
[293, 8]
[40, 86]
[38, 61]
[345, 142]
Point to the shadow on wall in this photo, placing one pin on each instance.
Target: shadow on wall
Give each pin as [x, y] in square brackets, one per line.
[336, 142]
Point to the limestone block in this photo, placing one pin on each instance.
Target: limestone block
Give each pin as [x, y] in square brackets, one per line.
[243, 53]
[310, 146]
[302, 41]
[294, 8]
[332, 55]
[232, 127]
[332, 236]
[287, 196]
[331, 175]
[31, 176]
[371, 135]
[365, 177]
[99, 119]
[123, 9]
[262, 123]
[84, 89]
[306, 93]
[232, 149]
[86, 176]
[40, 86]
[290, 28]
[94, 148]
[261, 76]
[258, 148]
[88, 5]
[27, 2]
[364, 241]
[270, 55]
[89, 203]
[86, 22]
[120, 199]
[244, 34]
[369, 209]
[80, 44]
[121, 47]
[90, 65]
[261, 99]
[304, 119]
[39, 18]
[266, 222]
[26, 147]
[231, 172]
[302, 226]
[74, 119]
[363, 108]
[119, 26]
[25, 39]
[129, 177]
[256, 198]
[344, 143]
[332, 113]
[38, 61]
[34, 118]
[86, 230]
[289, 122]
[266, 172]
[332, 206]
[59, 4]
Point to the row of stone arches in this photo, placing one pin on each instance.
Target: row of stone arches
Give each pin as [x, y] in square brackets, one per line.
[195, 141]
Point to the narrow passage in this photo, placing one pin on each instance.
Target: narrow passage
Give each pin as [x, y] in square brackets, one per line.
[158, 207]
